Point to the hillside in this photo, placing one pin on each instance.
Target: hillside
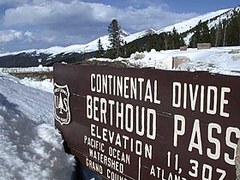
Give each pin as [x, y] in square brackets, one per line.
[189, 24]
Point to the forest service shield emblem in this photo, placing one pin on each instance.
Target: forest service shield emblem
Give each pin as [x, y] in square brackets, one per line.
[61, 104]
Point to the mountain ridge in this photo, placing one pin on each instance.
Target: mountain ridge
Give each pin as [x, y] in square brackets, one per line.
[92, 45]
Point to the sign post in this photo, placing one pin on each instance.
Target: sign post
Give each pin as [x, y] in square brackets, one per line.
[126, 123]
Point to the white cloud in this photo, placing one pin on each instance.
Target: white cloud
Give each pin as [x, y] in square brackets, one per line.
[28, 34]
[14, 2]
[151, 17]
[13, 35]
[21, 2]
[61, 14]
[10, 35]
[64, 22]
[26, 15]
[47, 12]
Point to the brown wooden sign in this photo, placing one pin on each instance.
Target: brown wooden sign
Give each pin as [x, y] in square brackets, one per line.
[143, 124]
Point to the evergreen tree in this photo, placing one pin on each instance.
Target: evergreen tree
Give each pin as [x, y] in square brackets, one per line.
[201, 34]
[125, 49]
[205, 33]
[114, 37]
[100, 48]
[195, 38]
[176, 39]
[232, 31]
[218, 34]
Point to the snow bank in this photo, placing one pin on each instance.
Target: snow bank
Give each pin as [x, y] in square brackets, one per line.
[31, 147]
[44, 85]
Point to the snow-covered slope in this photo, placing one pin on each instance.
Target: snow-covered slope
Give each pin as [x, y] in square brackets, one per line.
[31, 147]
[188, 24]
[92, 46]
[138, 35]
[225, 16]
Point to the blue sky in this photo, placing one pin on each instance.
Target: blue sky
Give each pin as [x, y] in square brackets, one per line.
[29, 24]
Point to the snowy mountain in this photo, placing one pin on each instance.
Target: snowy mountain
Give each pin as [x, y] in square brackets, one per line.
[58, 52]
[180, 27]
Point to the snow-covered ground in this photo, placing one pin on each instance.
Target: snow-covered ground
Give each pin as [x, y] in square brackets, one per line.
[222, 60]
[31, 147]
[45, 85]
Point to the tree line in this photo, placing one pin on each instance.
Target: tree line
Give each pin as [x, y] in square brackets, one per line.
[227, 32]
[224, 33]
